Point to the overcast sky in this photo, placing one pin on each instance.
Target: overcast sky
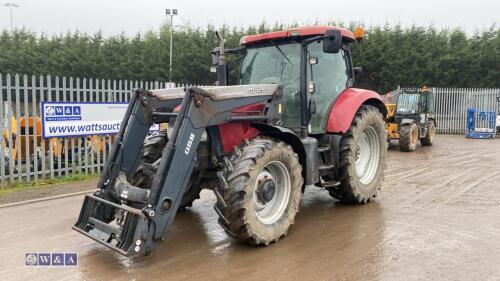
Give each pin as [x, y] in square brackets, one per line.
[132, 16]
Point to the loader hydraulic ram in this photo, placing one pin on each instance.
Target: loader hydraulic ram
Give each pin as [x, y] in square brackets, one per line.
[109, 216]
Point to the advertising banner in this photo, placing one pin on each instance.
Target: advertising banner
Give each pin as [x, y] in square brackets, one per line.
[72, 119]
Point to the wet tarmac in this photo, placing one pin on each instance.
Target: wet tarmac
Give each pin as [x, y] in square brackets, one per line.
[437, 218]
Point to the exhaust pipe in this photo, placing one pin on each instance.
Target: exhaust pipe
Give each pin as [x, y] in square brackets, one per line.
[221, 63]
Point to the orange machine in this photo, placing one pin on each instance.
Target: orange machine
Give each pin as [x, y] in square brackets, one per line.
[18, 139]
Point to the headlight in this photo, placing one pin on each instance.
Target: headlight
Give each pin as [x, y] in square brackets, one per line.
[204, 136]
[422, 119]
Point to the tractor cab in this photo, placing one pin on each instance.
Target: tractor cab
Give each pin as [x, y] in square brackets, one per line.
[315, 61]
[329, 72]
[417, 105]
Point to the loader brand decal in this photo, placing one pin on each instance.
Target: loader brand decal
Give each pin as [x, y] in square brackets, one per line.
[51, 259]
[259, 90]
[189, 144]
[71, 119]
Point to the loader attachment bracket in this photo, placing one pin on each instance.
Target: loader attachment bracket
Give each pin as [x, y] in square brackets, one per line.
[120, 237]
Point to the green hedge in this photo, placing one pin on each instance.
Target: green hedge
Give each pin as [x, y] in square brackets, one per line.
[390, 55]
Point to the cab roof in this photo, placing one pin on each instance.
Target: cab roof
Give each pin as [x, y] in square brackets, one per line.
[316, 30]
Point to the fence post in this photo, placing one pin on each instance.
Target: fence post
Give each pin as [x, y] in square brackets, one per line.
[88, 144]
[44, 145]
[34, 104]
[19, 149]
[95, 151]
[9, 126]
[27, 132]
[79, 140]
[72, 140]
[51, 140]
[58, 140]
[3, 148]
[65, 140]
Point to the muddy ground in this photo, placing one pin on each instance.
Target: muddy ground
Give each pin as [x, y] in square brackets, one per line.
[437, 218]
[52, 190]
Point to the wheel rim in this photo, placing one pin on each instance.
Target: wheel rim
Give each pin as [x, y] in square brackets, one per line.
[432, 132]
[271, 192]
[367, 155]
[414, 137]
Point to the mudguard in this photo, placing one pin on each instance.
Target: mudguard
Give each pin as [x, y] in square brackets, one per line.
[433, 118]
[309, 165]
[347, 104]
[406, 121]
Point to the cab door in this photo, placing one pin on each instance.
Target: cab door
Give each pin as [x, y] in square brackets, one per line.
[331, 75]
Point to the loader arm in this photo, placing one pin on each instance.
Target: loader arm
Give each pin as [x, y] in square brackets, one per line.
[131, 230]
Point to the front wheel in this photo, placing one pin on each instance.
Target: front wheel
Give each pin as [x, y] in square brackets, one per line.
[408, 137]
[428, 140]
[152, 153]
[362, 154]
[264, 189]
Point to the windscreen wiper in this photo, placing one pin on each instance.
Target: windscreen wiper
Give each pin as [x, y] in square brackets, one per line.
[281, 52]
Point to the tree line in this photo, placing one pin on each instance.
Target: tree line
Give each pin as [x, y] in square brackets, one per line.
[390, 55]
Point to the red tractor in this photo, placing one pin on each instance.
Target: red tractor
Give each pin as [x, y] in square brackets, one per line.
[294, 121]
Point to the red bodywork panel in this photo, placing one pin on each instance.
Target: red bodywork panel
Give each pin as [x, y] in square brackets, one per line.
[296, 32]
[233, 134]
[345, 107]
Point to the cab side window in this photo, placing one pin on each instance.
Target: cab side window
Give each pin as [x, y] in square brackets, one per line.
[331, 77]
[430, 103]
[331, 73]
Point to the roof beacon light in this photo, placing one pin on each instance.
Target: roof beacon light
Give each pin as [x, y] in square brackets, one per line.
[359, 33]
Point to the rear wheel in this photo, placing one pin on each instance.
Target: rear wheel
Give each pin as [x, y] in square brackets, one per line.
[428, 140]
[265, 181]
[408, 137]
[362, 156]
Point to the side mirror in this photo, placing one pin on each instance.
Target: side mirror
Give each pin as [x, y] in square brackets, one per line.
[332, 41]
[215, 56]
[357, 70]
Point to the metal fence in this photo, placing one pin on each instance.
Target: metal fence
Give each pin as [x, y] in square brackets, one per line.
[452, 104]
[26, 156]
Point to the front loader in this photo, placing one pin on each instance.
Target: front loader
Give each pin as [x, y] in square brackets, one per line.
[294, 121]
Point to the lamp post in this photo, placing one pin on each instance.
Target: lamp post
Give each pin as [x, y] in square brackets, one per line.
[11, 5]
[171, 13]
